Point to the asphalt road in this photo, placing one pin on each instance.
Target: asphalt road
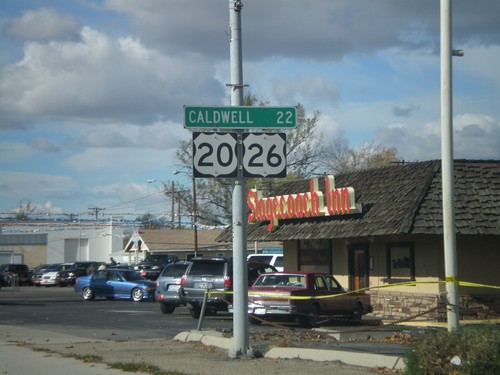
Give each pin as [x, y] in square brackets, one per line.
[62, 310]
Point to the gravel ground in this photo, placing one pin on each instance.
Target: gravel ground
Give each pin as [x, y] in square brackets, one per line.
[196, 358]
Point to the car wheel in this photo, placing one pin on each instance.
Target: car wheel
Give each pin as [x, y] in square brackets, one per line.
[88, 293]
[310, 319]
[137, 294]
[357, 313]
[167, 308]
[195, 311]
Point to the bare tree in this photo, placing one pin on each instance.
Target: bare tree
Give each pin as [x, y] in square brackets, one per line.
[148, 221]
[340, 158]
[24, 210]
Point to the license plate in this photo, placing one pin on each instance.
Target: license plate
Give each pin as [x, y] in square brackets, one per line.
[203, 285]
[174, 287]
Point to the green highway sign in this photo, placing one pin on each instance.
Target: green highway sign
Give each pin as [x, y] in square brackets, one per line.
[240, 117]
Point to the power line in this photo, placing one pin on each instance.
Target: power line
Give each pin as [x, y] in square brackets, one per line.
[96, 210]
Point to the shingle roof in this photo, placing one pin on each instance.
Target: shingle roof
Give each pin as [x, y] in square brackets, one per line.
[477, 201]
[179, 239]
[399, 199]
[158, 240]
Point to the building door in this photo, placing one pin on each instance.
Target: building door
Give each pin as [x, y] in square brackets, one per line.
[358, 266]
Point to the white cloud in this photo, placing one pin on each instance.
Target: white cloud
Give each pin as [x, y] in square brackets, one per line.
[475, 136]
[101, 80]
[318, 29]
[43, 144]
[42, 25]
[33, 186]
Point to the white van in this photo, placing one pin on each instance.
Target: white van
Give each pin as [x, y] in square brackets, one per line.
[275, 260]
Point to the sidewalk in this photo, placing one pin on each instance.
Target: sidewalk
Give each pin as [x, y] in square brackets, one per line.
[15, 360]
[194, 352]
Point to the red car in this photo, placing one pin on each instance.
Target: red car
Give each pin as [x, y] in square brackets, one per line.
[306, 296]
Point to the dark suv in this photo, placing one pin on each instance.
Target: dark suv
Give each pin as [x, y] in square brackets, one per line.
[15, 273]
[214, 274]
[151, 267]
[68, 276]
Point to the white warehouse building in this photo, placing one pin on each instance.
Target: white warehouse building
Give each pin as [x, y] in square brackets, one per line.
[35, 242]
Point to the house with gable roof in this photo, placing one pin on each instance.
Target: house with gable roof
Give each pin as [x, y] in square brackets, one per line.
[181, 243]
[381, 230]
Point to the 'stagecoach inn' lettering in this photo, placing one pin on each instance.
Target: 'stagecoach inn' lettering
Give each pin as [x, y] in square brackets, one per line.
[313, 203]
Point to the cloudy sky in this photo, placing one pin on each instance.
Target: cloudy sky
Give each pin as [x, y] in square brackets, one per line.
[91, 91]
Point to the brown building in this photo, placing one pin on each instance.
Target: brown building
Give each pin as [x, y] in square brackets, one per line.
[181, 243]
[381, 229]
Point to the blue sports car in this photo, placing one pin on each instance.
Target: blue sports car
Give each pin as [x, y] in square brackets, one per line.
[115, 283]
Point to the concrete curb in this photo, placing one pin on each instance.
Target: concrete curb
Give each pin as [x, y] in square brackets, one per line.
[348, 357]
[207, 338]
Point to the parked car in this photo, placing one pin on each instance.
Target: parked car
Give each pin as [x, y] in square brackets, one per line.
[151, 267]
[168, 284]
[214, 273]
[52, 275]
[15, 273]
[37, 273]
[275, 260]
[68, 276]
[115, 284]
[304, 296]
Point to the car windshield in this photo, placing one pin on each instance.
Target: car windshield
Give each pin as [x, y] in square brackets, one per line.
[132, 276]
[175, 270]
[281, 280]
[207, 268]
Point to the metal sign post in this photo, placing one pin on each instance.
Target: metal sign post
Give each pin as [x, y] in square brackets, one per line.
[241, 345]
[238, 155]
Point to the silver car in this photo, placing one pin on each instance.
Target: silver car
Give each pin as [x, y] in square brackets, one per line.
[167, 286]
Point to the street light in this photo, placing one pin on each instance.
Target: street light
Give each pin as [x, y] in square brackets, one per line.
[195, 227]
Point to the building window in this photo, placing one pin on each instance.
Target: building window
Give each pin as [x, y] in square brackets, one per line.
[400, 261]
[315, 255]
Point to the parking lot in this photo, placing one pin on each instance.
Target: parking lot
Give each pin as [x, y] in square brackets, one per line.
[129, 330]
[61, 310]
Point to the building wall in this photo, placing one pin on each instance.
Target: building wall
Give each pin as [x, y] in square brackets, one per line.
[477, 257]
[65, 242]
[32, 255]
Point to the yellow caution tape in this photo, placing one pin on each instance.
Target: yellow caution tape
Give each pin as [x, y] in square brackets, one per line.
[449, 279]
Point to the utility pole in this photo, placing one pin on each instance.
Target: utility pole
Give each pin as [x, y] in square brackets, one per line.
[96, 210]
[241, 346]
[447, 170]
